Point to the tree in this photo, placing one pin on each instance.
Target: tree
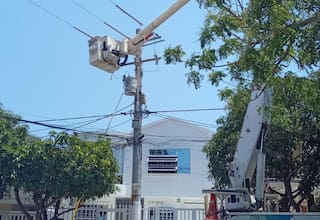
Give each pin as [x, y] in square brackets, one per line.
[11, 135]
[258, 43]
[250, 42]
[61, 166]
[295, 113]
[292, 144]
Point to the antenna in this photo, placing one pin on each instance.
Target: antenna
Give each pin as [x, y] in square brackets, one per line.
[127, 13]
[99, 18]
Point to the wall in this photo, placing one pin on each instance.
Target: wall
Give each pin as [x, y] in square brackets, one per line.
[172, 134]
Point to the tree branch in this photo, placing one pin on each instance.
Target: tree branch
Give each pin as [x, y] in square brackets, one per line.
[66, 211]
[237, 37]
[276, 192]
[309, 20]
[54, 200]
[286, 53]
[231, 12]
[240, 4]
[300, 201]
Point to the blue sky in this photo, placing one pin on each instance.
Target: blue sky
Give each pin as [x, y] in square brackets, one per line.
[45, 70]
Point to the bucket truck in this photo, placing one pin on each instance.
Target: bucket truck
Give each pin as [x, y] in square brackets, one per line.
[105, 52]
[248, 157]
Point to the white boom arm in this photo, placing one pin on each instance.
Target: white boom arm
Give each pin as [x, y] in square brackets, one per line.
[105, 52]
[136, 42]
[249, 144]
[248, 157]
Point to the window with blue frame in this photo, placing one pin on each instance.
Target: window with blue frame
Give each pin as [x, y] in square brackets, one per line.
[171, 160]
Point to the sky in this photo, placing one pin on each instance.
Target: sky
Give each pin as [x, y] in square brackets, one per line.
[45, 70]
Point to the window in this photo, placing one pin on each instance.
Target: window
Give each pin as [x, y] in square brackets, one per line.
[118, 153]
[169, 161]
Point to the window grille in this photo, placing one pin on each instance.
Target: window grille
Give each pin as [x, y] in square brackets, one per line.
[162, 164]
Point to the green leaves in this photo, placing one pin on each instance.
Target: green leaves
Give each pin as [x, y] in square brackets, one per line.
[262, 39]
[174, 55]
[12, 136]
[292, 144]
[216, 77]
[54, 168]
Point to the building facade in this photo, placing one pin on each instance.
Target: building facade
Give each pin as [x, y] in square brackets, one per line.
[173, 163]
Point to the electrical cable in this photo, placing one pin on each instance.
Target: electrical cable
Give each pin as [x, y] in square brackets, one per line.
[187, 137]
[122, 123]
[185, 120]
[59, 127]
[99, 18]
[115, 110]
[90, 122]
[186, 110]
[80, 124]
[59, 18]
[85, 117]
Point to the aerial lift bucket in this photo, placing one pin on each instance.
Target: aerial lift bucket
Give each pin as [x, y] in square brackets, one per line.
[212, 213]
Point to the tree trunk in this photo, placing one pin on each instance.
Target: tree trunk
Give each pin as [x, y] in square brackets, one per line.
[284, 204]
[44, 214]
[38, 215]
[43, 209]
[56, 209]
[288, 189]
[310, 201]
[25, 212]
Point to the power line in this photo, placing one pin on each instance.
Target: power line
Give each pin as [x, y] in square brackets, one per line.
[172, 139]
[92, 116]
[88, 123]
[116, 109]
[122, 123]
[98, 17]
[185, 120]
[59, 127]
[80, 124]
[186, 110]
[59, 18]
[118, 113]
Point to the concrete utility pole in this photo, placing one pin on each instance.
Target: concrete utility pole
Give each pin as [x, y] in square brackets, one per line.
[105, 54]
[135, 213]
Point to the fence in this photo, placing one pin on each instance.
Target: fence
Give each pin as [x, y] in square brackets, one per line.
[162, 213]
[14, 215]
[152, 213]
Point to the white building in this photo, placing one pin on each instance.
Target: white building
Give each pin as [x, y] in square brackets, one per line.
[173, 163]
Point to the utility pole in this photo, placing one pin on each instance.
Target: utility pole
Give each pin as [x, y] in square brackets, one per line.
[135, 213]
[105, 53]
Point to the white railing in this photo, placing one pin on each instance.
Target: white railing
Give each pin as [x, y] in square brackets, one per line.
[162, 213]
[14, 215]
[152, 213]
